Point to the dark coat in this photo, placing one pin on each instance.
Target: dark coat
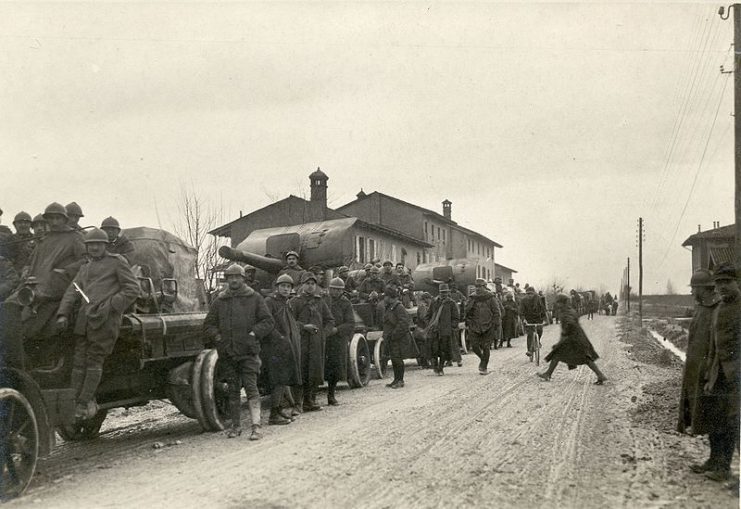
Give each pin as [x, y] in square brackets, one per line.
[111, 286]
[62, 250]
[724, 371]
[8, 278]
[337, 345]
[23, 246]
[692, 399]
[532, 309]
[509, 323]
[280, 350]
[574, 347]
[242, 319]
[482, 313]
[396, 322]
[123, 246]
[295, 274]
[312, 309]
[371, 285]
[440, 343]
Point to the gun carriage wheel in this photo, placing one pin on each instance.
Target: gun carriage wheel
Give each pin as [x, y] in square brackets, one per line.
[380, 357]
[19, 443]
[214, 393]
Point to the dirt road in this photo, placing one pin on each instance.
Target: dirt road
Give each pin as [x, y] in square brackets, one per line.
[462, 440]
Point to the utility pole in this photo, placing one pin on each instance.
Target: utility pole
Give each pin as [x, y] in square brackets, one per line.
[737, 118]
[628, 283]
[640, 269]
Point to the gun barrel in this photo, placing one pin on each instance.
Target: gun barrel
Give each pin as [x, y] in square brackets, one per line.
[271, 265]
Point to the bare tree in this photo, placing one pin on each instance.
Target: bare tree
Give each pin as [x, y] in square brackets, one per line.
[196, 217]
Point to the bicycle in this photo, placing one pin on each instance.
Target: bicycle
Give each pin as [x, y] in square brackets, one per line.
[536, 340]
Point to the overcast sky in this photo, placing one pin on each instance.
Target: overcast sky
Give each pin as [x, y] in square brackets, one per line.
[551, 127]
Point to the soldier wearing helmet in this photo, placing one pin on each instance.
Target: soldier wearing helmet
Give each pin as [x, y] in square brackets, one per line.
[350, 285]
[102, 290]
[22, 242]
[74, 213]
[388, 275]
[237, 321]
[4, 230]
[39, 225]
[51, 268]
[292, 268]
[118, 243]
[337, 343]
[315, 322]
[281, 355]
[693, 415]
[372, 288]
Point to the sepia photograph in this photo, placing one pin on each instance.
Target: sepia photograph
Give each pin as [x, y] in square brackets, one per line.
[370, 254]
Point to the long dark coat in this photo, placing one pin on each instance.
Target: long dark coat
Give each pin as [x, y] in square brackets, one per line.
[280, 350]
[692, 400]
[312, 309]
[574, 347]
[396, 322]
[111, 286]
[337, 345]
[441, 344]
[725, 371]
[509, 322]
[242, 319]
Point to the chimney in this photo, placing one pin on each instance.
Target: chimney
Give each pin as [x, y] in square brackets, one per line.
[361, 194]
[698, 229]
[318, 203]
[446, 209]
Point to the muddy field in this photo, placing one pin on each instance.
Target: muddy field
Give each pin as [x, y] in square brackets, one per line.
[462, 440]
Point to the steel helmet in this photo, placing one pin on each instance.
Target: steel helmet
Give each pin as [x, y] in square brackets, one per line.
[284, 278]
[308, 276]
[702, 277]
[73, 209]
[388, 262]
[96, 235]
[367, 266]
[342, 269]
[291, 253]
[233, 269]
[374, 270]
[110, 222]
[22, 216]
[480, 282]
[39, 218]
[55, 208]
[248, 267]
[337, 283]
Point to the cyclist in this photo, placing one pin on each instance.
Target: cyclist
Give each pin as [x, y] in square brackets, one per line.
[533, 312]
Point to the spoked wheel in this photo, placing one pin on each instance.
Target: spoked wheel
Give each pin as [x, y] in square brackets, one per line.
[19, 443]
[214, 393]
[83, 430]
[359, 365]
[381, 357]
[179, 389]
[195, 388]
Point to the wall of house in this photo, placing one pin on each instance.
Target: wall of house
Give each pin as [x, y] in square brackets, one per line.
[370, 245]
[383, 211]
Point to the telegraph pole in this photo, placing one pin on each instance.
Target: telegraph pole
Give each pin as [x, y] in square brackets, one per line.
[628, 283]
[640, 269]
[737, 118]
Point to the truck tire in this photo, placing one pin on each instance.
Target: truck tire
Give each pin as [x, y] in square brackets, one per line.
[19, 443]
[359, 365]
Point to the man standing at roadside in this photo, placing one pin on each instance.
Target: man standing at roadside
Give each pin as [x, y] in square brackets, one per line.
[723, 375]
[692, 401]
[337, 343]
[483, 320]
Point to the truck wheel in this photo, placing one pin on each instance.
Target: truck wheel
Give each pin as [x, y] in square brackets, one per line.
[380, 358]
[214, 394]
[19, 443]
[83, 430]
[359, 365]
[179, 389]
[195, 387]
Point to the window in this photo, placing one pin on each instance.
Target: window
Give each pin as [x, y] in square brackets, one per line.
[418, 258]
[438, 233]
[371, 249]
[432, 234]
[360, 249]
[443, 236]
[426, 235]
[393, 253]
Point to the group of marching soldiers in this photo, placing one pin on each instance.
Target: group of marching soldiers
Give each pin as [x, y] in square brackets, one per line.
[59, 275]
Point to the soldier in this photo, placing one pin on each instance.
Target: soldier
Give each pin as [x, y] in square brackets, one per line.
[4, 230]
[351, 285]
[499, 290]
[371, 289]
[723, 375]
[442, 318]
[23, 242]
[532, 311]
[509, 321]
[39, 225]
[692, 401]
[8, 278]
[281, 352]
[52, 267]
[460, 301]
[483, 319]
[103, 288]
[250, 277]
[74, 212]
[118, 242]
[315, 321]
[292, 267]
[388, 276]
[236, 322]
[396, 323]
[407, 289]
[574, 347]
[337, 344]
[425, 300]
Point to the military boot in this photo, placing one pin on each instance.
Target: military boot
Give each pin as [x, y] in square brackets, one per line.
[331, 400]
[298, 396]
[255, 418]
[86, 407]
[276, 417]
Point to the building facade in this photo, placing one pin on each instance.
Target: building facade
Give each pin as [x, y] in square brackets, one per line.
[712, 247]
